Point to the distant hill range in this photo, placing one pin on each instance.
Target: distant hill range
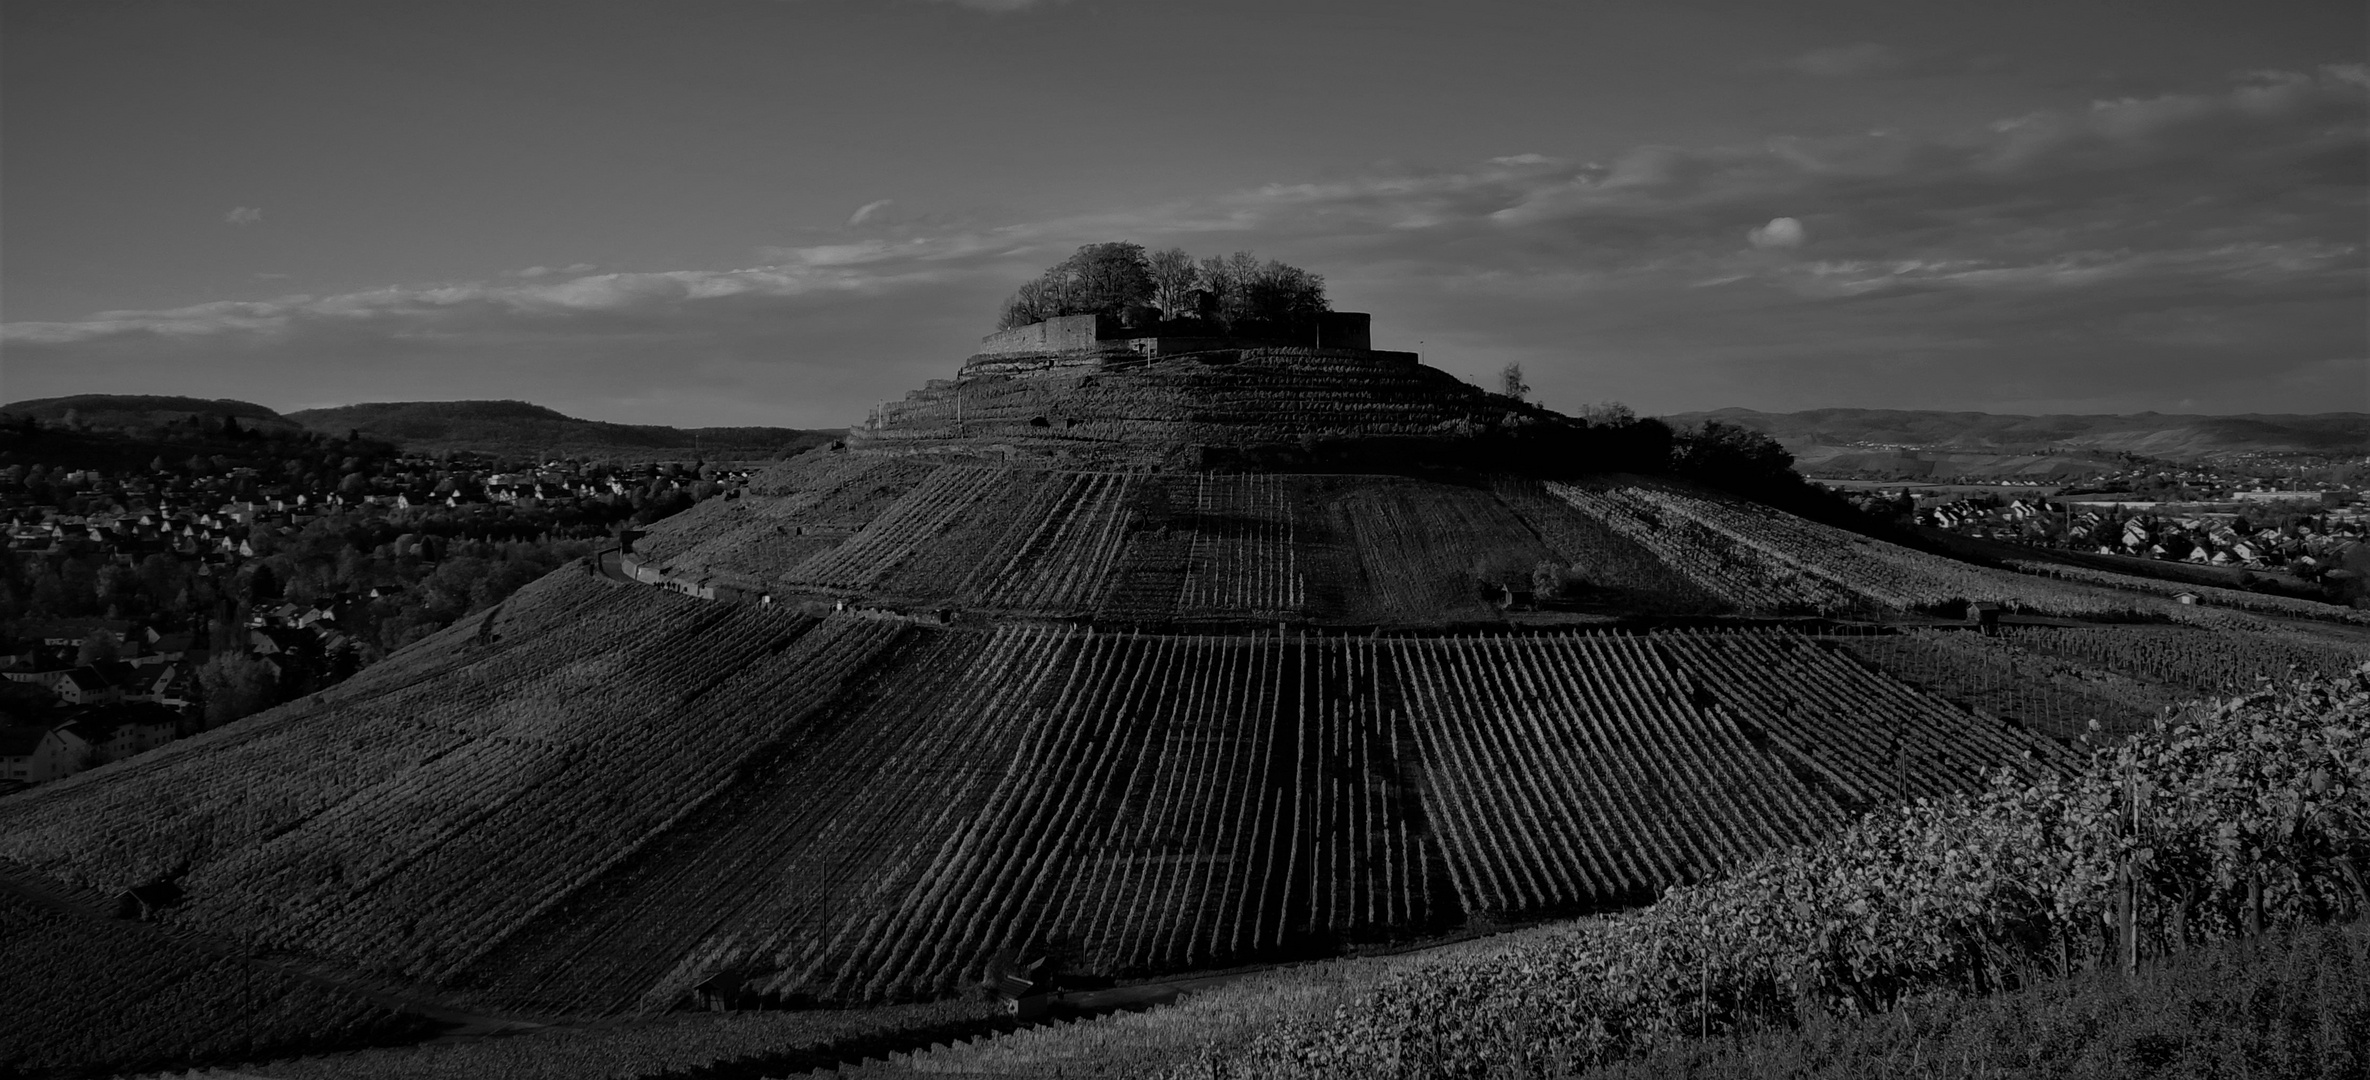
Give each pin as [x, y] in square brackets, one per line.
[124, 411]
[520, 427]
[1971, 445]
[494, 427]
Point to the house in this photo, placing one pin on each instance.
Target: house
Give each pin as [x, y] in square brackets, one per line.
[37, 755]
[87, 685]
[114, 733]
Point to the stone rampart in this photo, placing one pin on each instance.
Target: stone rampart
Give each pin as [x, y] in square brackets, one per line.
[1088, 333]
[1066, 334]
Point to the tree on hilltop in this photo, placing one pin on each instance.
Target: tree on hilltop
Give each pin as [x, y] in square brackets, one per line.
[1174, 277]
[1098, 279]
[1510, 382]
[1237, 291]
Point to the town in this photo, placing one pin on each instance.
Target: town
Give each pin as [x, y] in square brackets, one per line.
[2293, 521]
[153, 602]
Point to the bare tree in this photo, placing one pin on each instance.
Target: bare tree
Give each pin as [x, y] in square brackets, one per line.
[1106, 279]
[1097, 279]
[1173, 279]
[1510, 382]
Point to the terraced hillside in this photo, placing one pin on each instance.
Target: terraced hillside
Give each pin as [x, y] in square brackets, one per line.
[957, 686]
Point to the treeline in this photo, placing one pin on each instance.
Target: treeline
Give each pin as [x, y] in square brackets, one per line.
[1232, 294]
[80, 470]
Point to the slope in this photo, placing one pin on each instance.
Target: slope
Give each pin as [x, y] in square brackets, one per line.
[1142, 664]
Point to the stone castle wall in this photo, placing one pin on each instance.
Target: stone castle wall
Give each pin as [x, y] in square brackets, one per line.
[1066, 334]
[1084, 333]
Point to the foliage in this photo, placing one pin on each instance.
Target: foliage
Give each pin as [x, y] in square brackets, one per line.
[1098, 279]
[1731, 457]
[1511, 384]
[1238, 292]
[2244, 812]
[234, 684]
[2296, 1004]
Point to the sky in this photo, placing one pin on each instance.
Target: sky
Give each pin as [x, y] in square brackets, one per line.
[725, 212]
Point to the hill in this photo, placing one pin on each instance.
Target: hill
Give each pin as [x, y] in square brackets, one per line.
[1896, 442]
[1135, 659]
[516, 427]
[125, 411]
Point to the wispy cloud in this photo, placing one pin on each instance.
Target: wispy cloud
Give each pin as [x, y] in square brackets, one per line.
[244, 215]
[2119, 253]
[867, 211]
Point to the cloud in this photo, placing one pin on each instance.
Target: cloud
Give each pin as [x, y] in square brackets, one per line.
[243, 216]
[1783, 232]
[1855, 61]
[2113, 255]
[866, 212]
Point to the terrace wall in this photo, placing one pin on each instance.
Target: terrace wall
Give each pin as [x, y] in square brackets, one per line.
[1083, 333]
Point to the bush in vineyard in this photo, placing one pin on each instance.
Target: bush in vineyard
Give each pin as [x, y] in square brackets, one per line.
[2240, 813]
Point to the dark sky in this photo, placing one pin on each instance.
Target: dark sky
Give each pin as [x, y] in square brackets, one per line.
[781, 211]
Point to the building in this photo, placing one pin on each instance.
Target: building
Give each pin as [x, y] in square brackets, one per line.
[118, 732]
[88, 685]
[37, 755]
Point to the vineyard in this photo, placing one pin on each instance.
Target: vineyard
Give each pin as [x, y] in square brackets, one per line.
[840, 809]
[1242, 556]
[1872, 737]
[947, 533]
[2241, 599]
[2194, 660]
[1134, 803]
[409, 831]
[2047, 693]
[1565, 771]
[905, 528]
[1432, 552]
[1064, 564]
[187, 1005]
[1758, 559]
[1603, 561]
